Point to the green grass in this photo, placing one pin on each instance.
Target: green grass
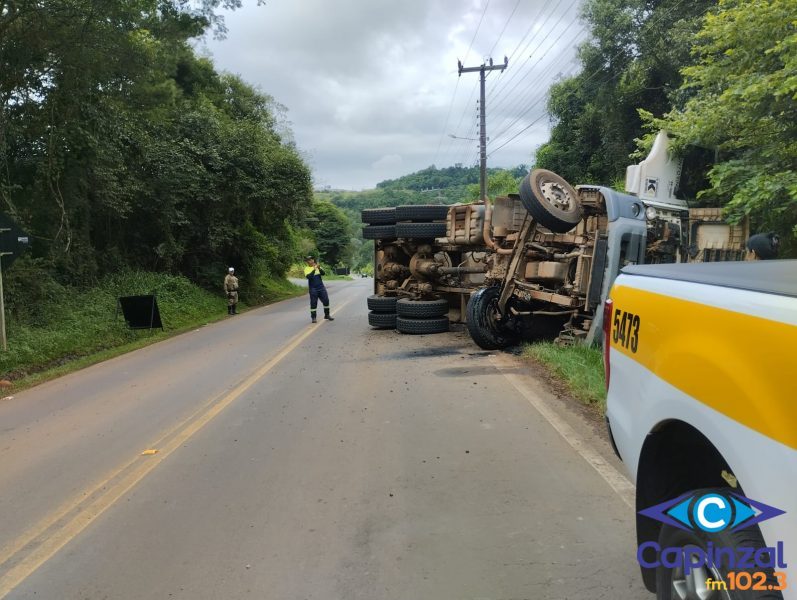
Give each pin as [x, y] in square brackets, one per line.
[579, 367]
[80, 327]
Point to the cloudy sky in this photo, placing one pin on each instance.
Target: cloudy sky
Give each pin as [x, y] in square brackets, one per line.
[371, 86]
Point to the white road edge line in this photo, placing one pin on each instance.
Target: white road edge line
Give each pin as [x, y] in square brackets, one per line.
[616, 480]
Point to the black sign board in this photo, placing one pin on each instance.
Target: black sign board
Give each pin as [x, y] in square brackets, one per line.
[141, 312]
[13, 241]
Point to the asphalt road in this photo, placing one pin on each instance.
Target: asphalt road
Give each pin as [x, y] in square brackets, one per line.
[266, 458]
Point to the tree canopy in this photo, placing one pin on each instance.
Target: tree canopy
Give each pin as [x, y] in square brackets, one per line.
[632, 60]
[121, 148]
[742, 103]
[720, 76]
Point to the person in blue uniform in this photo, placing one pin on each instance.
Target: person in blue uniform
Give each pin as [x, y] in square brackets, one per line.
[315, 285]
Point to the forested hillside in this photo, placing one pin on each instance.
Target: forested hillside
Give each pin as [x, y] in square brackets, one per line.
[121, 148]
[428, 186]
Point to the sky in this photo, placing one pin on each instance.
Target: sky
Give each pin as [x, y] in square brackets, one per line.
[371, 86]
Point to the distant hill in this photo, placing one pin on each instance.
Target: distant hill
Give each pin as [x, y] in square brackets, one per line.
[428, 186]
[432, 178]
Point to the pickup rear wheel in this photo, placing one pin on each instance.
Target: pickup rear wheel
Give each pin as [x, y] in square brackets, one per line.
[552, 201]
[676, 584]
[484, 320]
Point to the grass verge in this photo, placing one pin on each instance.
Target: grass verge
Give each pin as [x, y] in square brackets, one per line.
[580, 368]
[78, 328]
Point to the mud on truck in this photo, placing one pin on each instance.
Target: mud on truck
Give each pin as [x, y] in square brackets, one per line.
[537, 263]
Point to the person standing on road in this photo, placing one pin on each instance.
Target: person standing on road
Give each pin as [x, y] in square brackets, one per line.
[315, 285]
[231, 289]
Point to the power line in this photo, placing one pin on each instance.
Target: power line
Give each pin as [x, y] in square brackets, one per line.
[456, 87]
[522, 97]
[528, 31]
[500, 35]
[588, 78]
[536, 48]
[518, 69]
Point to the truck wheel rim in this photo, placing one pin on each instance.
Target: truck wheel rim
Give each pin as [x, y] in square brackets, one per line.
[557, 195]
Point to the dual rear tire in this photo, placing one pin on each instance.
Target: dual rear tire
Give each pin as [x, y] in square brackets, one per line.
[408, 316]
[422, 316]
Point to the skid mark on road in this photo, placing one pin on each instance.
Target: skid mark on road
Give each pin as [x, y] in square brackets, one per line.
[23, 556]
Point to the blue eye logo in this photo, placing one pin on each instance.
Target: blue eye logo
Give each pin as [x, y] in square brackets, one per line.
[712, 512]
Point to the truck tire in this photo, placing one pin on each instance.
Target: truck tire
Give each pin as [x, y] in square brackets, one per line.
[482, 320]
[422, 212]
[382, 320]
[422, 309]
[420, 326]
[421, 230]
[552, 201]
[378, 216]
[379, 232]
[382, 304]
[674, 584]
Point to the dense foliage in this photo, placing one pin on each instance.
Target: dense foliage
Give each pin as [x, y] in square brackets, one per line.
[121, 148]
[632, 60]
[742, 101]
[718, 75]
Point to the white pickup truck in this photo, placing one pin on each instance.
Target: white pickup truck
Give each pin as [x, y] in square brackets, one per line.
[701, 369]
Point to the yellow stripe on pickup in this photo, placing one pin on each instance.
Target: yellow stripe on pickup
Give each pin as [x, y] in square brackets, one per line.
[742, 366]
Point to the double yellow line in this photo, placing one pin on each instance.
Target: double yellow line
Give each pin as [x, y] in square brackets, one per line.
[24, 555]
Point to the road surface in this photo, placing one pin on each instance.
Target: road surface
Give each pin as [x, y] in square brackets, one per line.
[263, 457]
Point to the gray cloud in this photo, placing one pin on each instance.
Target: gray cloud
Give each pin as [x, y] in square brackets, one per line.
[369, 83]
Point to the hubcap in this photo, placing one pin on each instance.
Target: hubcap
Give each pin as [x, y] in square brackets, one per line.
[694, 586]
[557, 195]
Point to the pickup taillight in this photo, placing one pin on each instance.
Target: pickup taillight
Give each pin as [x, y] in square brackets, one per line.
[607, 340]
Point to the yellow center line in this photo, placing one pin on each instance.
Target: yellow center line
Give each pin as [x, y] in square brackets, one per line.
[111, 491]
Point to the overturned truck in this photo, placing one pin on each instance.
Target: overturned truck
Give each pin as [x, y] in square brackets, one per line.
[538, 263]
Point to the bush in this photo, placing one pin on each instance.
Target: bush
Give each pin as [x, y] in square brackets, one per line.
[59, 323]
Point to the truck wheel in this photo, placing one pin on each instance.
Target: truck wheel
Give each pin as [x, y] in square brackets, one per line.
[675, 584]
[418, 326]
[484, 320]
[382, 304]
[382, 320]
[422, 212]
[421, 230]
[379, 232]
[550, 200]
[378, 216]
[422, 309]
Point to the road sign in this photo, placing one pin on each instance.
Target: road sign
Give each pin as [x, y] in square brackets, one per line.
[13, 240]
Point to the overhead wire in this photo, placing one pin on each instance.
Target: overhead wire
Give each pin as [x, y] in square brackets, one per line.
[518, 69]
[536, 48]
[588, 78]
[500, 35]
[522, 99]
[456, 87]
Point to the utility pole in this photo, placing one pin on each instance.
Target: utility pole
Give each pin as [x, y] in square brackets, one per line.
[483, 117]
